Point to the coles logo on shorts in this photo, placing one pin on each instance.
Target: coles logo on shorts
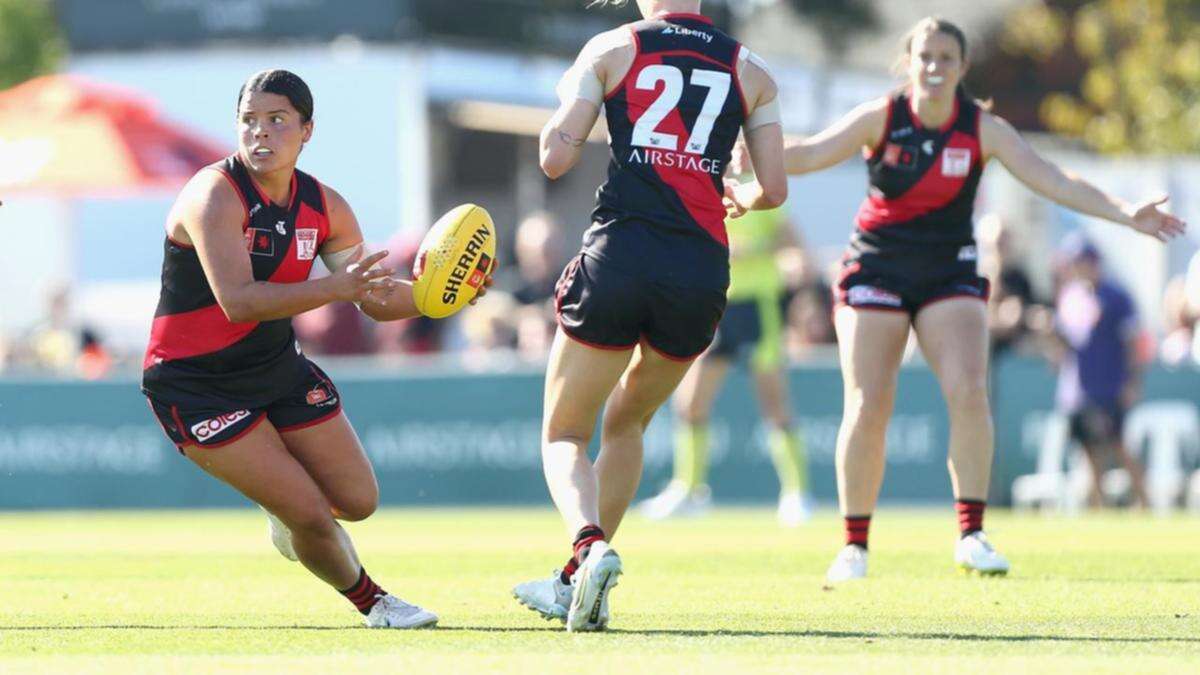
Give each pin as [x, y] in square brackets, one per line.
[211, 427]
[317, 396]
[870, 295]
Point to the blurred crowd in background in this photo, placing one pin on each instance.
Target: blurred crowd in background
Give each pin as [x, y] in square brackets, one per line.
[515, 322]
[465, 129]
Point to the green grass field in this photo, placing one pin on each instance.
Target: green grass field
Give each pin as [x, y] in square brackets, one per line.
[185, 591]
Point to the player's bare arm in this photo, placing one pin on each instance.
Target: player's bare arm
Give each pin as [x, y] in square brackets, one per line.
[860, 129]
[598, 70]
[208, 215]
[763, 132]
[999, 139]
[391, 300]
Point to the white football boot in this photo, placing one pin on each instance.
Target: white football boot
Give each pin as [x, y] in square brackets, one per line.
[591, 584]
[795, 509]
[281, 536]
[549, 597]
[392, 612]
[677, 501]
[974, 553]
[850, 563]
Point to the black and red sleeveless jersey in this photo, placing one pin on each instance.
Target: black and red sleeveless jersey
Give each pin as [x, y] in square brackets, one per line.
[673, 122]
[923, 181]
[195, 352]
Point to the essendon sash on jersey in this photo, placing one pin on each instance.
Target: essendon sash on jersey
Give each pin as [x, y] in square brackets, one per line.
[923, 181]
[673, 122]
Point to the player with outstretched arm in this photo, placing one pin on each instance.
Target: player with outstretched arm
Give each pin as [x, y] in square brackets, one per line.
[911, 263]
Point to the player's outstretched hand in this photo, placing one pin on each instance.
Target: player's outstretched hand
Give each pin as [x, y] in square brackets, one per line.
[1149, 219]
[361, 280]
[487, 283]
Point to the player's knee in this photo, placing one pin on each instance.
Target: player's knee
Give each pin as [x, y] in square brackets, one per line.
[967, 392]
[869, 406]
[314, 520]
[566, 434]
[690, 410]
[356, 512]
[622, 426]
[623, 420]
[358, 507]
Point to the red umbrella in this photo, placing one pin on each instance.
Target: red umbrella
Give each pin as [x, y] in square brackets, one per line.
[72, 136]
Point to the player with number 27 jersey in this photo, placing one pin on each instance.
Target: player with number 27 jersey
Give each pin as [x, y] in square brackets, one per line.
[673, 123]
[643, 298]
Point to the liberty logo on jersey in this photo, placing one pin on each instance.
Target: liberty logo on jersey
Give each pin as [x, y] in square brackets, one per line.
[306, 243]
[205, 430]
[687, 32]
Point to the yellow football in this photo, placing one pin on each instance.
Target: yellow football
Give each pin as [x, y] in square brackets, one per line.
[457, 253]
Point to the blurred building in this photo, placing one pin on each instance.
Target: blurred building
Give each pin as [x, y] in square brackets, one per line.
[422, 105]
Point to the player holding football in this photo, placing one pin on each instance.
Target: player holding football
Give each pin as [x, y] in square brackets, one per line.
[912, 264]
[643, 298]
[223, 371]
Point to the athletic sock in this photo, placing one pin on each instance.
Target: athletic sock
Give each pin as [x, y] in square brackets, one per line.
[691, 455]
[364, 593]
[970, 515]
[857, 528]
[588, 535]
[791, 462]
[568, 570]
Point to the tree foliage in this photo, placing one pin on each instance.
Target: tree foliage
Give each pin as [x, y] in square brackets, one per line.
[30, 41]
[1140, 87]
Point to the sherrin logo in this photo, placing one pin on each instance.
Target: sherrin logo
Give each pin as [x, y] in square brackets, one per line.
[455, 257]
[211, 427]
[463, 268]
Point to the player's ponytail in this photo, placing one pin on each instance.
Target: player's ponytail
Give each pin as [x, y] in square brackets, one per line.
[284, 83]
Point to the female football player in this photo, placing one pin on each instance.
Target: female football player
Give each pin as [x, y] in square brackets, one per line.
[912, 263]
[223, 371]
[643, 298]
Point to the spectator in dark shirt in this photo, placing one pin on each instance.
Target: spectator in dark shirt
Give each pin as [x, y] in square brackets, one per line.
[1099, 371]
